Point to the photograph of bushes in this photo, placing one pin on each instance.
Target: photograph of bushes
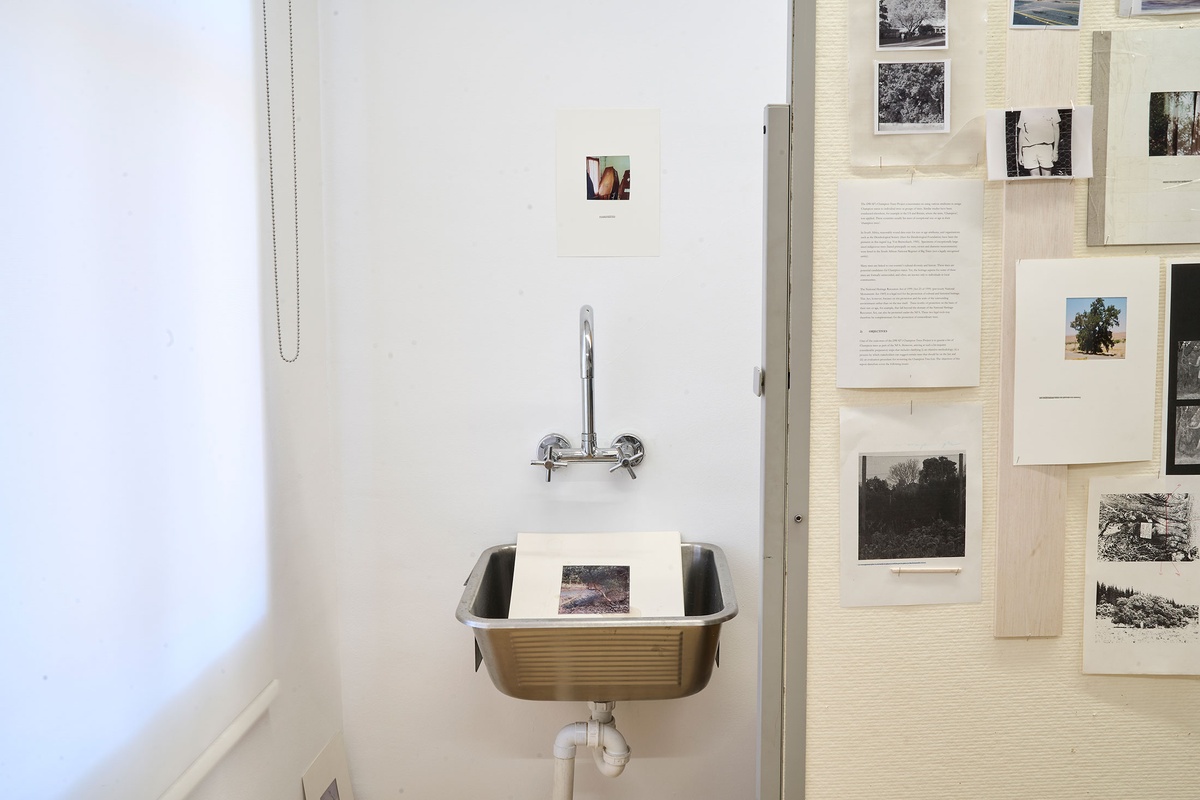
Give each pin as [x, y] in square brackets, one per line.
[1125, 614]
[912, 506]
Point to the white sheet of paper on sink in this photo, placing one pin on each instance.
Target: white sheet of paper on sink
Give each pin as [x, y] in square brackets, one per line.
[633, 574]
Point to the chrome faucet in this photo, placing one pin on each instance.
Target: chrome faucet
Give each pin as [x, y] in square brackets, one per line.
[555, 451]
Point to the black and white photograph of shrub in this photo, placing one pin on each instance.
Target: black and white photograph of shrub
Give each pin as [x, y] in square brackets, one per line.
[912, 96]
[912, 506]
[1127, 614]
[1187, 371]
[1146, 527]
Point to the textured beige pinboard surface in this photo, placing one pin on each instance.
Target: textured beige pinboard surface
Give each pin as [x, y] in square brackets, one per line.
[923, 702]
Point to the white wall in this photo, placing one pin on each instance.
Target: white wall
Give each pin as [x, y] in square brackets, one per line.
[922, 702]
[455, 349]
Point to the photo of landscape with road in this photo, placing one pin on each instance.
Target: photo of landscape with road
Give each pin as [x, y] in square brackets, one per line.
[912, 24]
[1045, 13]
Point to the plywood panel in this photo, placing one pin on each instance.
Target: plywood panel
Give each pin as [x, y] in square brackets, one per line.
[1038, 223]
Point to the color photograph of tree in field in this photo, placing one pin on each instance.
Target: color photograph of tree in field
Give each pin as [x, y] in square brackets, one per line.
[594, 589]
[912, 506]
[911, 96]
[1095, 328]
[1128, 615]
[1146, 527]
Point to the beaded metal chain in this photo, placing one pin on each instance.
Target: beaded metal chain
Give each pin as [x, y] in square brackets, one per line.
[271, 181]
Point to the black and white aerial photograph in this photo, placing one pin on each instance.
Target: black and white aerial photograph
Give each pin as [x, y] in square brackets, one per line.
[601, 589]
[1148, 526]
[1129, 613]
[912, 24]
[912, 96]
[912, 506]
[1038, 142]
[1174, 128]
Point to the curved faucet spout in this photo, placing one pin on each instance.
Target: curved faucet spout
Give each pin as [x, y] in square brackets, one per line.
[587, 327]
[587, 340]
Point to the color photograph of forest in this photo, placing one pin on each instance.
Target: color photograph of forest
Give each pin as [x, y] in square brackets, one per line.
[1146, 527]
[1126, 615]
[911, 506]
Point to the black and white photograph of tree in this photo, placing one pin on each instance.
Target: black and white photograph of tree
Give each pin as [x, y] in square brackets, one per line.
[912, 506]
[1187, 370]
[594, 589]
[1146, 527]
[1127, 614]
[1038, 142]
[1187, 434]
[912, 96]
[1174, 124]
[911, 24]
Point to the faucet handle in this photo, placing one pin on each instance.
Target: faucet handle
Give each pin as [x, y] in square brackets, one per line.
[630, 452]
[547, 453]
[627, 463]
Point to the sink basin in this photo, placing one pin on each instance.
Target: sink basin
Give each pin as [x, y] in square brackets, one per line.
[600, 658]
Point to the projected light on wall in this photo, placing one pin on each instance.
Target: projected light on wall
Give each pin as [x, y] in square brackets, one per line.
[132, 449]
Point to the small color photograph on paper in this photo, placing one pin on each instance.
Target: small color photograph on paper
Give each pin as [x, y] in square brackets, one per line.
[1095, 328]
[1045, 13]
[608, 177]
[599, 589]
[1174, 128]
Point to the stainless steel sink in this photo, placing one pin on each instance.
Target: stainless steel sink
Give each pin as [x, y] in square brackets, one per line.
[600, 658]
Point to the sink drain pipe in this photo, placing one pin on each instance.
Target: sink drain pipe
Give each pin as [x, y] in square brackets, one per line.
[600, 733]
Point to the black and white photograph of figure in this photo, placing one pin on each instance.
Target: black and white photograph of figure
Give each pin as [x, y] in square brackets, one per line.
[1174, 124]
[1038, 142]
[1187, 434]
[1127, 613]
[912, 506]
[1146, 527]
[1187, 371]
[912, 24]
[912, 96]
[1045, 13]
[602, 589]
